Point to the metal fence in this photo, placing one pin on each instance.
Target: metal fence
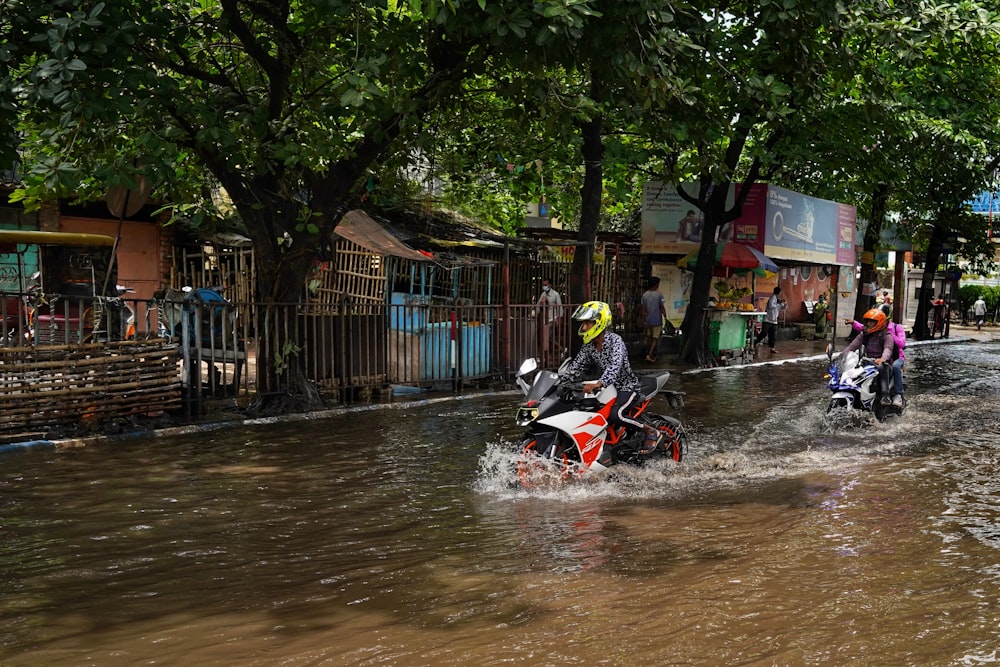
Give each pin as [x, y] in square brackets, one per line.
[350, 351]
[354, 349]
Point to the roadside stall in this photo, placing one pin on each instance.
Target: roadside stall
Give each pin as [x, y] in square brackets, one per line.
[731, 323]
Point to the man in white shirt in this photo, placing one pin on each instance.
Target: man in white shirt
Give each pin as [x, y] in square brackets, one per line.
[979, 310]
[775, 305]
[548, 315]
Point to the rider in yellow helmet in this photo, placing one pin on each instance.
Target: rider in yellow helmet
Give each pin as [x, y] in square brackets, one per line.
[606, 351]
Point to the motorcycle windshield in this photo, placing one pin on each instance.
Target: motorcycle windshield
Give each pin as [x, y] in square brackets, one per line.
[542, 386]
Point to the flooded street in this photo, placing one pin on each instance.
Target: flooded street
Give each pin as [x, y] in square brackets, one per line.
[395, 537]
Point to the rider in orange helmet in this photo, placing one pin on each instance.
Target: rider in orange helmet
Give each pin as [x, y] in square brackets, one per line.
[898, 334]
[878, 346]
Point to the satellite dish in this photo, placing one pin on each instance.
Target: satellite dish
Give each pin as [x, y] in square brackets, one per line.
[125, 202]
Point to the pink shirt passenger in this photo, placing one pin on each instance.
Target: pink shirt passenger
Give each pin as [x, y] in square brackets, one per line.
[898, 335]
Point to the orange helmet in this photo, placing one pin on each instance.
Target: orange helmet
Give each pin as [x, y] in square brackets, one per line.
[875, 320]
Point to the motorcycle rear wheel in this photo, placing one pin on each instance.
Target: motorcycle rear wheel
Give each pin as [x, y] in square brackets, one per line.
[674, 443]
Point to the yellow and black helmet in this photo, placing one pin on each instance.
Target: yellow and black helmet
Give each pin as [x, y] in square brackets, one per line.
[596, 311]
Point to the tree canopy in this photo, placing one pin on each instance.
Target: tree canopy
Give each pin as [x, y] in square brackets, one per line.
[291, 107]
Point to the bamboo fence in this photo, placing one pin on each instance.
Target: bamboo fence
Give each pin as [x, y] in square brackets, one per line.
[86, 385]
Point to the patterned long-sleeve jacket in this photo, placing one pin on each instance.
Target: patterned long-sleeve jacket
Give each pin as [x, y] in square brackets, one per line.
[612, 360]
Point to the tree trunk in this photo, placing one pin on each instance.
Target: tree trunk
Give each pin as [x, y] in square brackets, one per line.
[712, 203]
[580, 288]
[283, 264]
[926, 292]
[863, 302]
[695, 325]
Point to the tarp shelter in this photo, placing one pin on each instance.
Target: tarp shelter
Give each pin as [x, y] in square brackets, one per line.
[360, 228]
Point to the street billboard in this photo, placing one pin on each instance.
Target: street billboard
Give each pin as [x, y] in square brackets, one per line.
[781, 223]
[670, 224]
[808, 229]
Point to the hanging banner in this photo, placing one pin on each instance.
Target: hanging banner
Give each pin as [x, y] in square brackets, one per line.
[563, 254]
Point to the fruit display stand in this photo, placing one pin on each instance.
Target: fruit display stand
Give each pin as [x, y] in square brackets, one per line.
[730, 337]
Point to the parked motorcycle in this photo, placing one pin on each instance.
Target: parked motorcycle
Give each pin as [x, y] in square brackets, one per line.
[569, 433]
[209, 314]
[854, 381]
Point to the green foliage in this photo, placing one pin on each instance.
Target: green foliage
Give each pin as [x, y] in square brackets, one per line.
[967, 295]
[283, 358]
[284, 115]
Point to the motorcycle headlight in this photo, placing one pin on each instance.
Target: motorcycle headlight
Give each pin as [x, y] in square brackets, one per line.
[525, 416]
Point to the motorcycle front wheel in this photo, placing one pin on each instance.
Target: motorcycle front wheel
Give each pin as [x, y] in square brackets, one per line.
[544, 459]
[839, 404]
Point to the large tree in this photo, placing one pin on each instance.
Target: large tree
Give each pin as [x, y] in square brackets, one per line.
[285, 104]
[763, 63]
[910, 136]
[576, 99]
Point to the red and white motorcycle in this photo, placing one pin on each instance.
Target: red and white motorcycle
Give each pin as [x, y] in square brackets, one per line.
[569, 433]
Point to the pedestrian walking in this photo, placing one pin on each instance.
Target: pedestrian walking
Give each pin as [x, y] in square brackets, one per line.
[548, 315]
[775, 304]
[654, 313]
[979, 311]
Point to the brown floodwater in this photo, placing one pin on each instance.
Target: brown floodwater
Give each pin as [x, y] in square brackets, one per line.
[394, 536]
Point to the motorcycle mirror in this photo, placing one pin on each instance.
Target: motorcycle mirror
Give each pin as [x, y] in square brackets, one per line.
[527, 366]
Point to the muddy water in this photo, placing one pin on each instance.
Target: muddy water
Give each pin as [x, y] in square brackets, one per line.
[392, 537]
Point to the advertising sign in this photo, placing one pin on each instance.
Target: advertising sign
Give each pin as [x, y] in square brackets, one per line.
[670, 225]
[808, 229]
[780, 223]
[563, 254]
[748, 229]
[675, 285]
